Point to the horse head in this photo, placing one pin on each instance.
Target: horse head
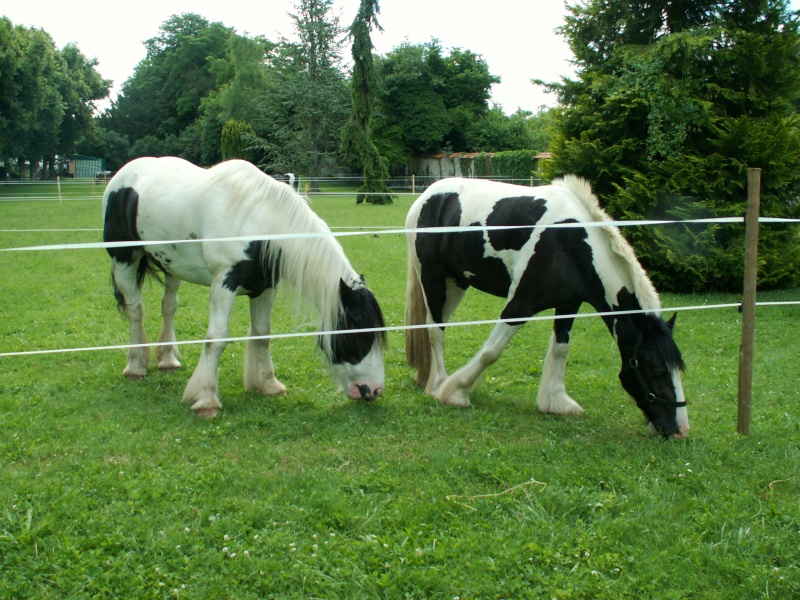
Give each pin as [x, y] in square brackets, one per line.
[651, 366]
[356, 357]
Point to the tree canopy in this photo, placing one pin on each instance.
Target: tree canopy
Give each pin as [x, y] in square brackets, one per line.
[47, 95]
[673, 101]
[433, 101]
[357, 137]
[307, 113]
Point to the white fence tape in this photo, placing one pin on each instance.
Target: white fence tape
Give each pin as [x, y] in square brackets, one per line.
[280, 336]
[376, 231]
[368, 231]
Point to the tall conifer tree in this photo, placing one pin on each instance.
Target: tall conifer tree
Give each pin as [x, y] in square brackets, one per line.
[673, 101]
[357, 144]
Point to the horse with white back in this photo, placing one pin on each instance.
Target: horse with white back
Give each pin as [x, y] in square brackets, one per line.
[237, 231]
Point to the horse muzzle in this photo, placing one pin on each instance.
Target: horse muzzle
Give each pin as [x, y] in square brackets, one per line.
[363, 392]
[681, 434]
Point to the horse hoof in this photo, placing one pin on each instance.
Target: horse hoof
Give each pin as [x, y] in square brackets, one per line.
[456, 401]
[134, 376]
[168, 368]
[206, 413]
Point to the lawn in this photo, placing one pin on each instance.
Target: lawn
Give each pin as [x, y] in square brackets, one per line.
[113, 488]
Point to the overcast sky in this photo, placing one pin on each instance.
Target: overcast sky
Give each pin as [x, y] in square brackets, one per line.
[516, 38]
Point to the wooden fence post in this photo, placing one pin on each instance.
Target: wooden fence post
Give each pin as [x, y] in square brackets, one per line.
[749, 301]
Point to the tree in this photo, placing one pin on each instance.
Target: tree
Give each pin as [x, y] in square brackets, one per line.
[497, 132]
[357, 144]
[242, 83]
[80, 86]
[46, 95]
[97, 141]
[164, 95]
[435, 100]
[305, 101]
[668, 110]
[413, 77]
[235, 140]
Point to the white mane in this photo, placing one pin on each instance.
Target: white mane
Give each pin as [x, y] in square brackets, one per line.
[312, 265]
[643, 287]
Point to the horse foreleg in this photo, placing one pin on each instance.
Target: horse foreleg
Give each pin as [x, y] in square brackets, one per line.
[168, 355]
[552, 396]
[259, 373]
[201, 391]
[455, 389]
[139, 353]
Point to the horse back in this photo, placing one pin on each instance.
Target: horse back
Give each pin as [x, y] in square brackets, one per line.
[514, 247]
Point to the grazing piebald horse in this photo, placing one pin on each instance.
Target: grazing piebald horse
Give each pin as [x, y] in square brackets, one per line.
[168, 199]
[536, 267]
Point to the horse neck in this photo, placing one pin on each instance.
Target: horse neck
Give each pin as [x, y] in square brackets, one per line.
[623, 317]
[625, 282]
[314, 266]
[626, 331]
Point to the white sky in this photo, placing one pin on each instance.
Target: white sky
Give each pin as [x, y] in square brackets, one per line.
[516, 38]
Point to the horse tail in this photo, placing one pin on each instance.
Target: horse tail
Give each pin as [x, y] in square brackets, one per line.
[418, 347]
[143, 270]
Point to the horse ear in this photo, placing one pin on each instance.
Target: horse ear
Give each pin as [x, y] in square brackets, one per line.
[671, 322]
[345, 291]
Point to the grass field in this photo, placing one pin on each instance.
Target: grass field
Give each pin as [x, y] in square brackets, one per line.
[112, 488]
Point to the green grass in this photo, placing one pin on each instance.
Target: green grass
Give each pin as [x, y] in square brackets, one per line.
[112, 488]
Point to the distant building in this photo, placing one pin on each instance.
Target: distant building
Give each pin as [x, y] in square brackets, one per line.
[86, 167]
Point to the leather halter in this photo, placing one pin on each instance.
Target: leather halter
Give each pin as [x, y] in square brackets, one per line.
[650, 397]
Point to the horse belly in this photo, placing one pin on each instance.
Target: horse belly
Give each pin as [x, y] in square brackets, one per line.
[471, 266]
[184, 261]
[493, 280]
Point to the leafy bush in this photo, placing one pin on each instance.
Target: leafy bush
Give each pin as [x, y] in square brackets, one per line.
[666, 117]
[515, 164]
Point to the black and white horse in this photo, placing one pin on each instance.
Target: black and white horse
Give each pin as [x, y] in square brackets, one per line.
[536, 267]
[170, 200]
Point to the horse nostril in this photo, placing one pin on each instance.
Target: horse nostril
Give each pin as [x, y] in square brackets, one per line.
[364, 391]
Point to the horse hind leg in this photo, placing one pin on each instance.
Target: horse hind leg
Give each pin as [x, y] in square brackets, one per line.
[438, 372]
[552, 396]
[259, 372]
[168, 354]
[125, 280]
